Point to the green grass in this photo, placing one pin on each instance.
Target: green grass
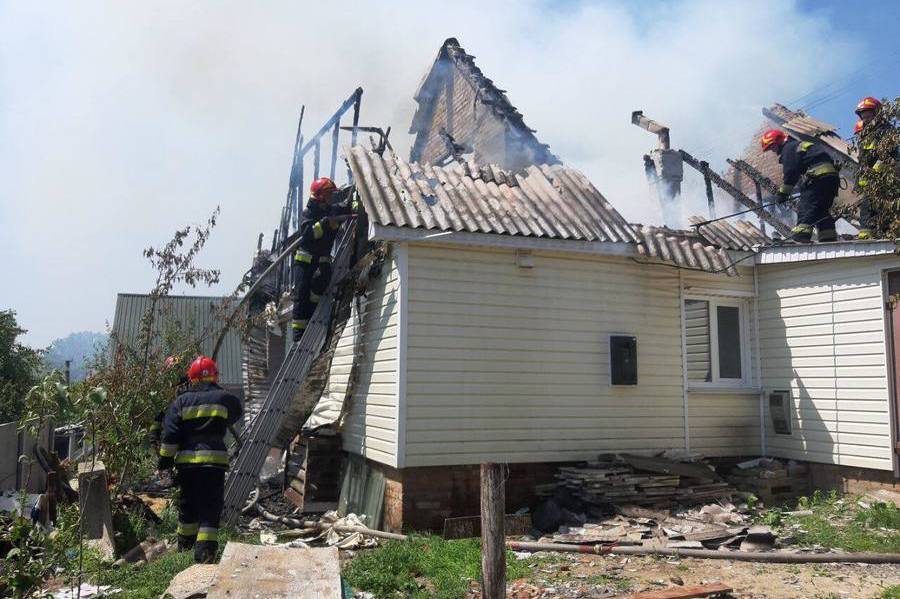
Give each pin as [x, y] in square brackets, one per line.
[891, 592]
[148, 581]
[423, 567]
[840, 523]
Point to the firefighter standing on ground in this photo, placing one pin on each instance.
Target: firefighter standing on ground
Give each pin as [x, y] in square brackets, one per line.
[819, 186]
[193, 440]
[324, 212]
[866, 110]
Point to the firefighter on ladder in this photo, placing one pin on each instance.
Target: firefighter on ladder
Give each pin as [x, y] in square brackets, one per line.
[809, 165]
[193, 441]
[326, 209]
[866, 110]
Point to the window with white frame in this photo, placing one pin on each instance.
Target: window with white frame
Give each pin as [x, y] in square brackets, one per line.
[716, 341]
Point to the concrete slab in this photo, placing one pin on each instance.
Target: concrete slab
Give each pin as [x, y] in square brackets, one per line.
[193, 582]
[251, 571]
[96, 512]
[9, 455]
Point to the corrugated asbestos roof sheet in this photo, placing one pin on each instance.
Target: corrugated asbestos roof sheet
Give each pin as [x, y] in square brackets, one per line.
[684, 249]
[740, 235]
[195, 313]
[547, 201]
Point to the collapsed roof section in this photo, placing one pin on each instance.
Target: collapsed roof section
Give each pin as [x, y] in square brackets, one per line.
[462, 112]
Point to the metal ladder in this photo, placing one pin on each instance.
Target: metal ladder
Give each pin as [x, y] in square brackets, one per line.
[261, 431]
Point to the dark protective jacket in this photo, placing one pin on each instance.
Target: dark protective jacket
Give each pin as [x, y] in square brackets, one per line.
[869, 157]
[317, 238]
[194, 427]
[800, 158]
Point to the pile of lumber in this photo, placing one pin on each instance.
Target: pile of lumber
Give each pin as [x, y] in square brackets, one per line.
[636, 480]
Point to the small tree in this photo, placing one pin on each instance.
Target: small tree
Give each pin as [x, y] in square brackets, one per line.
[883, 187]
[131, 382]
[20, 367]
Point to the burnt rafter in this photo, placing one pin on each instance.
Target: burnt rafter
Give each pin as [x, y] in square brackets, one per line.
[734, 192]
[754, 174]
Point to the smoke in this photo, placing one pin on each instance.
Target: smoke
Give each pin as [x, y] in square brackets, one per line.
[123, 121]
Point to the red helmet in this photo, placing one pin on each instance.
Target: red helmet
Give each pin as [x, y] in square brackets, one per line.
[322, 189]
[858, 127]
[203, 370]
[772, 138]
[868, 103]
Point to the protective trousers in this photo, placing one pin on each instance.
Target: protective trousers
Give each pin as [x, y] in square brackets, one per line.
[311, 277]
[199, 510]
[814, 212]
[866, 218]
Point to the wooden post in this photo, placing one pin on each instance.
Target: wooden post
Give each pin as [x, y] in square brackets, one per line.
[493, 537]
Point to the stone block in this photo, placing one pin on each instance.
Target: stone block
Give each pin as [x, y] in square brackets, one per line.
[96, 512]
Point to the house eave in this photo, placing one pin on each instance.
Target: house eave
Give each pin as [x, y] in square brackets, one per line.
[786, 254]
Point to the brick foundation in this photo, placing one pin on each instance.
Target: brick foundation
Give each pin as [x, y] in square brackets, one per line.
[847, 479]
[422, 498]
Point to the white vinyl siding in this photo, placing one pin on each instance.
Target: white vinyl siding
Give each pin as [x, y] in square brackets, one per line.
[370, 428]
[511, 364]
[822, 337]
[723, 422]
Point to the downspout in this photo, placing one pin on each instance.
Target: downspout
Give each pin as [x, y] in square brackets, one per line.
[684, 379]
[762, 391]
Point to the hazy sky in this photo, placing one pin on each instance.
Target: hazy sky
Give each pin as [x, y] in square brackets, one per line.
[122, 121]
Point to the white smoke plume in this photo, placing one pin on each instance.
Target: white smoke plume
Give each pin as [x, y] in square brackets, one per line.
[123, 121]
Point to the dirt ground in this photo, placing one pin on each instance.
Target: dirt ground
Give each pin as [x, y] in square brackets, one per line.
[576, 576]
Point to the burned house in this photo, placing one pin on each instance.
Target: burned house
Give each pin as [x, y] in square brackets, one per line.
[504, 311]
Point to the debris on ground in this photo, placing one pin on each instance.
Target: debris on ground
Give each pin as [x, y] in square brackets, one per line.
[770, 480]
[143, 552]
[192, 582]
[84, 591]
[642, 481]
[683, 592]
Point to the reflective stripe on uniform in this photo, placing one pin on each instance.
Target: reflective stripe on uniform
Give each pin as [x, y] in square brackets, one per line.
[821, 169]
[298, 324]
[188, 529]
[204, 411]
[318, 231]
[302, 256]
[354, 206]
[804, 146]
[202, 456]
[785, 189]
[862, 182]
[168, 450]
[207, 533]
[801, 228]
[869, 146]
[864, 234]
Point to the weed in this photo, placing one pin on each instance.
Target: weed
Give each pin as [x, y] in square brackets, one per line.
[840, 523]
[610, 580]
[423, 567]
[891, 592]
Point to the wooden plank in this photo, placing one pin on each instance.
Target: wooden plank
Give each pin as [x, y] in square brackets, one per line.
[663, 466]
[249, 571]
[685, 592]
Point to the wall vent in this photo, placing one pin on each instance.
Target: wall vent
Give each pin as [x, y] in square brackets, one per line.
[781, 411]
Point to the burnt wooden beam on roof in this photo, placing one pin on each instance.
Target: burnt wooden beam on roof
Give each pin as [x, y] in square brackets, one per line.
[736, 193]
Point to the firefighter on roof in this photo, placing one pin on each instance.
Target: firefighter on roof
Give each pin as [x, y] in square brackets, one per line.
[193, 440]
[866, 110]
[809, 165]
[325, 210]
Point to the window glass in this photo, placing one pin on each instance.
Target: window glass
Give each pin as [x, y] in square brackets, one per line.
[729, 332]
[699, 364]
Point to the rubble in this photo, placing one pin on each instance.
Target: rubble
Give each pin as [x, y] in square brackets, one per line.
[641, 481]
[770, 480]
